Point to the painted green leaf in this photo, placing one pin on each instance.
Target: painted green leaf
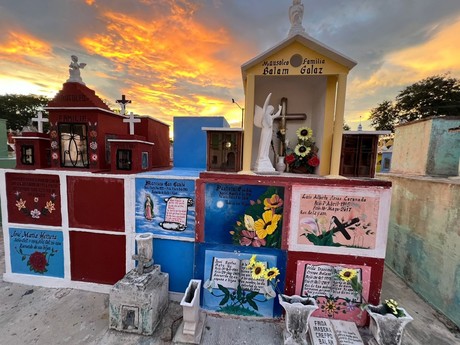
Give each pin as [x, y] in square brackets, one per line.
[253, 304]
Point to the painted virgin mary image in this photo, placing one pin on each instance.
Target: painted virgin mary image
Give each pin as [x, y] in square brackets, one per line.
[148, 208]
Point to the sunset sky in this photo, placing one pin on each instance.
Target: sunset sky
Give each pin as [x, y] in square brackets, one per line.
[181, 57]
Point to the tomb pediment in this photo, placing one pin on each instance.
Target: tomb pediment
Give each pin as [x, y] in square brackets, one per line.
[298, 55]
[77, 95]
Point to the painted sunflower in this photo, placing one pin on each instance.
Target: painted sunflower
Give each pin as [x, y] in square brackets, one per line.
[267, 225]
[347, 274]
[252, 261]
[271, 273]
[302, 150]
[304, 133]
[258, 270]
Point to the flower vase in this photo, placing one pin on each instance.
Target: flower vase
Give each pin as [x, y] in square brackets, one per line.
[387, 329]
[280, 165]
[298, 311]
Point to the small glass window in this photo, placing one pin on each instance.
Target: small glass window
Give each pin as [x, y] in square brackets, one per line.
[74, 145]
[145, 160]
[124, 159]
[27, 155]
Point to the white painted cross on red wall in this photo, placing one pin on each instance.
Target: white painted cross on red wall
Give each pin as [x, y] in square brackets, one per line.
[131, 120]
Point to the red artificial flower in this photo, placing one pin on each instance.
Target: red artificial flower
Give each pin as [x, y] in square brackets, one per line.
[37, 262]
[290, 159]
[313, 161]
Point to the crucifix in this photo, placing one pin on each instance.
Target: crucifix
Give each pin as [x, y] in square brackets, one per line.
[123, 101]
[40, 120]
[283, 118]
[131, 120]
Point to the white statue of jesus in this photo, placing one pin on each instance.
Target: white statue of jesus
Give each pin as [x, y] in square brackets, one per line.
[74, 70]
[263, 118]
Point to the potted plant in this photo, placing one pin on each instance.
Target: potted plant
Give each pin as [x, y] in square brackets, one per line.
[388, 320]
[298, 309]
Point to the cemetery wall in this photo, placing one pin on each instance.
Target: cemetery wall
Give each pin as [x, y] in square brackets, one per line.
[427, 147]
[424, 239]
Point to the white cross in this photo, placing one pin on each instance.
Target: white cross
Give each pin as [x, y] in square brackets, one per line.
[131, 120]
[40, 119]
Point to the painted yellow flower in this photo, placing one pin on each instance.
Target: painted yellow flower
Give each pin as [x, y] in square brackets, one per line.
[252, 261]
[271, 273]
[273, 202]
[304, 133]
[20, 204]
[267, 225]
[50, 206]
[258, 270]
[347, 274]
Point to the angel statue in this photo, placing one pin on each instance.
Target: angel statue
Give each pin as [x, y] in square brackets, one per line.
[74, 70]
[263, 118]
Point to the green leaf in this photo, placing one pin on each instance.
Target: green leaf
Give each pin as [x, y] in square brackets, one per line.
[251, 295]
[239, 292]
[224, 300]
[224, 289]
[253, 304]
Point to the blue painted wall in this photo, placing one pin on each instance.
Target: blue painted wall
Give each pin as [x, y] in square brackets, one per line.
[177, 259]
[190, 140]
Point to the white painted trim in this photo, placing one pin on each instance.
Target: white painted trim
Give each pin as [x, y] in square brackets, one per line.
[4, 210]
[175, 238]
[96, 231]
[82, 108]
[130, 221]
[222, 129]
[52, 282]
[25, 138]
[130, 141]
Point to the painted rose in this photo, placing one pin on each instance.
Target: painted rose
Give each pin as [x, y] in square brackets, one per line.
[37, 262]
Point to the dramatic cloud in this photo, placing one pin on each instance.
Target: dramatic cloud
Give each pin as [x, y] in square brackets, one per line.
[183, 57]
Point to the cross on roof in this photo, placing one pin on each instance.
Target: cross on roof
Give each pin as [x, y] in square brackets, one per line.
[131, 120]
[123, 101]
[40, 120]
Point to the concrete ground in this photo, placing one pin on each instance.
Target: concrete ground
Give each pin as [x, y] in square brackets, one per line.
[37, 315]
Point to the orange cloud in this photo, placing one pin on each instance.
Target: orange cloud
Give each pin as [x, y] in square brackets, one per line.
[21, 46]
[166, 61]
[438, 55]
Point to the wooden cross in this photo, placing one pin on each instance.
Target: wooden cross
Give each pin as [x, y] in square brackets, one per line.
[123, 101]
[286, 117]
[131, 120]
[40, 120]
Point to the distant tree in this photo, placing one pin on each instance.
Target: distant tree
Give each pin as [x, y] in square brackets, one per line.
[434, 96]
[384, 117]
[19, 109]
[346, 127]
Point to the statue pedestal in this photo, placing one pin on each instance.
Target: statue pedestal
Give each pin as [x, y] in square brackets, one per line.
[138, 301]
